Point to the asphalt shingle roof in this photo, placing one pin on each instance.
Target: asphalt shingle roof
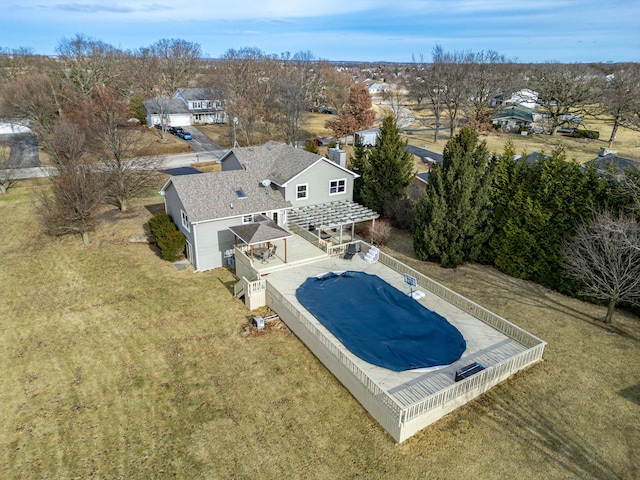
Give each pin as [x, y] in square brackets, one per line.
[275, 161]
[209, 196]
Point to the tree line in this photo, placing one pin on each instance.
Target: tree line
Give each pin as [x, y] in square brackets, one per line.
[80, 105]
[466, 86]
[521, 217]
[546, 219]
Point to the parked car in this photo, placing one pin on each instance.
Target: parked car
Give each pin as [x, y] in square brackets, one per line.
[176, 130]
[185, 135]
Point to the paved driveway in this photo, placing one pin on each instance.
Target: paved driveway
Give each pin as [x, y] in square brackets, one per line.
[205, 149]
[24, 150]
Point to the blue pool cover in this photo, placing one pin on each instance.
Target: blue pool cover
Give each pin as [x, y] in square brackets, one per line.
[380, 324]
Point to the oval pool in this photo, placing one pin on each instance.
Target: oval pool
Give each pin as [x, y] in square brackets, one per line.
[380, 324]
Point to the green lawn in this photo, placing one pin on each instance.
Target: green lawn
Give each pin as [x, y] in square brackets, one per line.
[116, 365]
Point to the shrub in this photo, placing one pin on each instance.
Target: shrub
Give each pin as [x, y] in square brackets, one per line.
[593, 134]
[171, 245]
[399, 210]
[166, 236]
[379, 233]
[310, 146]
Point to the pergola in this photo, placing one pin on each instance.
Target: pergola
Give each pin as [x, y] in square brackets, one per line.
[262, 230]
[332, 215]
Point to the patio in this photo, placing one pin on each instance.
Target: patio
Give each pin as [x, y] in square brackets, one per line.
[402, 402]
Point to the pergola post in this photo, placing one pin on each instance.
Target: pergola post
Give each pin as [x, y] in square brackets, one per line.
[373, 228]
[285, 251]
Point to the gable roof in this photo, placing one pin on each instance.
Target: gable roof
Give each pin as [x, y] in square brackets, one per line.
[262, 230]
[425, 155]
[198, 94]
[164, 105]
[277, 162]
[423, 177]
[210, 196]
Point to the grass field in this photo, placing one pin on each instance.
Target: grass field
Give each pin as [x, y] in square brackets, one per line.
[117, 365]
[627, 141]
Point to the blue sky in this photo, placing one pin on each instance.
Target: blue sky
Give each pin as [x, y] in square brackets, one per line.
[364, 30]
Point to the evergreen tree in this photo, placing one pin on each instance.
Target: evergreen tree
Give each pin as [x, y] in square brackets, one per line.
[387, 169]
[359, 164]
[451, 223]
[537, 207]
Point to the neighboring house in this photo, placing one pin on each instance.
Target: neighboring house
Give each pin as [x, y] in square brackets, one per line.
[188, 106]
[512, 117]
[420, 182]
[376, 88]
[367, 137]
[430, 159]
[268, 181]
[525, 98]
[609, 161]
[531, 158]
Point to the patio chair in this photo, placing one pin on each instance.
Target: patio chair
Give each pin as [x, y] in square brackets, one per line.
[266, 255]
[352, 249]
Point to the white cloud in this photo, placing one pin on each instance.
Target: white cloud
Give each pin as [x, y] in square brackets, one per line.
[193, 10]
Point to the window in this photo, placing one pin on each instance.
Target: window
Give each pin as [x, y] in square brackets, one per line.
[337, 186]
[197, 105]
[302, 191]
[185, 220]
[239, 192]
[247, 219]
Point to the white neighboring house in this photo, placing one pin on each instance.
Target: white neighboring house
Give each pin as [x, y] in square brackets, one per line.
[525, 98]
[377, 88]
[188, 106]
[13, 127]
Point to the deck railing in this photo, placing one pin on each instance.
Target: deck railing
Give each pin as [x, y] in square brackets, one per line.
[472, 308]
[489, 377]
[377, 399]
[389, 403]
[307, 235]
[401, 420]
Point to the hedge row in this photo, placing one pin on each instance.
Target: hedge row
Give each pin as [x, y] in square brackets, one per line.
[166, 236]
[594, 134]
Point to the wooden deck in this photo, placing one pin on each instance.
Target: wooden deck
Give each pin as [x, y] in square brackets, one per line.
[403, 402]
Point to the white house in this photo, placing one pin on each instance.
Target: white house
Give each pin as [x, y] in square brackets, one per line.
[188, 106]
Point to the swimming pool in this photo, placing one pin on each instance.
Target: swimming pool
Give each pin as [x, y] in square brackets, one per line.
[380, 324]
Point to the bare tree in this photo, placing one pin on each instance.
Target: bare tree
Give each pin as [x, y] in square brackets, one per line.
[450, 70]
[7, 169]
[604, 256]
[17, 62]
[243, 75]
[76, 190]
[119, 149]
[620, 98]
[564, 92]
[164, 67]
[294, 86]
[333, 91]
[487, 74]
[31, 97]
[86, 63]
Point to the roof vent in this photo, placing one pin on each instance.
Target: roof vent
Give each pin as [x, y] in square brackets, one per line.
[266, 182]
